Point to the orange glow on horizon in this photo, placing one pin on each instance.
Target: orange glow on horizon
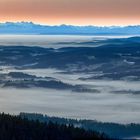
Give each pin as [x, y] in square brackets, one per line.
[74, 12]
[83, 22]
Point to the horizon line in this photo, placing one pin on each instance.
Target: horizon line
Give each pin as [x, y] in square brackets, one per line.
[45, 24]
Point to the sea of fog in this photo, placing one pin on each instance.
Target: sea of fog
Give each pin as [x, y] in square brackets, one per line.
[104, 106]
[50, 41]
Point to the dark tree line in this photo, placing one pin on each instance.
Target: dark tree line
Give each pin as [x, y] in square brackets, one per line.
[17, 128]
[113, 130]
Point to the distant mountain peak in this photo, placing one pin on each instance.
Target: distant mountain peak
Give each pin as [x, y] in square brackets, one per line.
[32, 28]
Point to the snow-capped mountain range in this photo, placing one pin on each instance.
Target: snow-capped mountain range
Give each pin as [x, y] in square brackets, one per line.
[31, 28]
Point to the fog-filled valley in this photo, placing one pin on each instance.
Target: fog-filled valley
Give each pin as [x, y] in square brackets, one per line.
[78, 77]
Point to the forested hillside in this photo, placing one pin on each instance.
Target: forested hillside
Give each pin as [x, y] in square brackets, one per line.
[16, 128]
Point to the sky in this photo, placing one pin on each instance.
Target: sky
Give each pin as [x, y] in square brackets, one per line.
[74, 12]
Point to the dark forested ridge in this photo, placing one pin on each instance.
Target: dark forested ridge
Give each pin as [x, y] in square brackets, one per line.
[113, 130]
[17, 128]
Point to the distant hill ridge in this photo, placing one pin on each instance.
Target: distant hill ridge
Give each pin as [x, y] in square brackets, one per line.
[32, 28]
